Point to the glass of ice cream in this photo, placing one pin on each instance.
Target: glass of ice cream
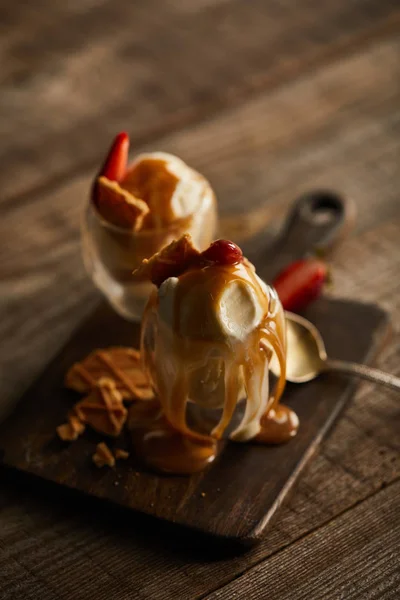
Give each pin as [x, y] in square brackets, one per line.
[136, 210]
[211, 332]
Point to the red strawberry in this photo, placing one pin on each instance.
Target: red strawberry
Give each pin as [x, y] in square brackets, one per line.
[114, 167]
[222, 252]
[301, 283]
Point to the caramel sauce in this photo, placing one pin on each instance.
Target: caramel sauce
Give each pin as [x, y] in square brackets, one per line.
[191, 348]
[278, 426]
[151, 181]
[117, 373]
[162, 447]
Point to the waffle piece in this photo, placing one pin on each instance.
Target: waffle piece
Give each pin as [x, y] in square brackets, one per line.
[103, 408]
[103, 456]
[121, 454]
[69, 432]
[171, 261]
[118, 206]
[120, 364]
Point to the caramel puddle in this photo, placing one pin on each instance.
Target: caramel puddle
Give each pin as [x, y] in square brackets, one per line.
[162, 447]
[279, 425]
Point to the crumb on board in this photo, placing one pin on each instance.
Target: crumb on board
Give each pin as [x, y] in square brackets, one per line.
[103, 408]
[103, 456]
[121, 454]
[69, 432]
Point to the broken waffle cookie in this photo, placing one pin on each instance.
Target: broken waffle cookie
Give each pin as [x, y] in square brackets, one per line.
[171, 261]
[69, 432]
[118, 206]
[120, 364]
[121, 454]
[103, 456]
[103, 408]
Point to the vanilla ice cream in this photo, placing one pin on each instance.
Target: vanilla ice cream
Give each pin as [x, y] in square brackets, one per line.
[231, 316]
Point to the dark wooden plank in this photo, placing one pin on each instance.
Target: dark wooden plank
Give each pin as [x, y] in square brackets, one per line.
[353, 557]
[340, 120]
[235, 506]
[74, 73]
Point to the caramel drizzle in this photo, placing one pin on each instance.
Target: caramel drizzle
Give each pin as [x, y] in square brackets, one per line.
[277, 348]
[117, 373]
[111, 408]
[151, 181]
[109, 405]
[254, 371]
[253, 357]
[231, 394]
[256, 367]
[85, 375]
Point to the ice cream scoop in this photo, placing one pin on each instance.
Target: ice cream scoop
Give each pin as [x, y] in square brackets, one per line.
[171, 189]
[156, 185]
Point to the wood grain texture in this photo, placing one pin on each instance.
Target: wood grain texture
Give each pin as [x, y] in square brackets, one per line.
[336, 124]
[354, 556]
[43, 533]
[74, 73]
[234, 507]
[258, 156]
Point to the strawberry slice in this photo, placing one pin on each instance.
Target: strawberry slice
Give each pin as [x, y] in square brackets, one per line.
[114, 167]
[301, 283]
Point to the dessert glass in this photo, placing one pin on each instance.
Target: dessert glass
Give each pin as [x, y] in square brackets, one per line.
[111, 253]
[208, 371]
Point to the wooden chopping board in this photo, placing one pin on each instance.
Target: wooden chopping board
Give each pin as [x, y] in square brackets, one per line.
[239, 494]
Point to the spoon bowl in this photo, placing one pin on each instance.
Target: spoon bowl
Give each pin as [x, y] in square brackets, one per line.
[306, 350]
[307, 357]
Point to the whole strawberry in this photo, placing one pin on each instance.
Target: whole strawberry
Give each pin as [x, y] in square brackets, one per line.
[301, 283]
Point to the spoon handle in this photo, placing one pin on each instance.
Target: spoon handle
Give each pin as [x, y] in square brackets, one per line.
[364, 372]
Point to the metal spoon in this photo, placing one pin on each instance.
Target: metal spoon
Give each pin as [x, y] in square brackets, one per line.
[307, 357]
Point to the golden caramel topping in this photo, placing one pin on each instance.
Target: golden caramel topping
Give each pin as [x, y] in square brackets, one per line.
[103, 456]
[151, 181]
[121, 365]
[103, 408]
[119, 207]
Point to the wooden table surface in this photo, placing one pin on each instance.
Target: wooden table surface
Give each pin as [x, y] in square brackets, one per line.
[268, 99]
